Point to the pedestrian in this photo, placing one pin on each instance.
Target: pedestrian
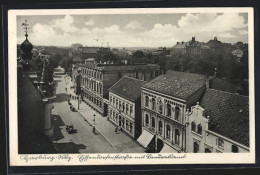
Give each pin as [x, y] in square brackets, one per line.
[116, 130]
[94, 129]
[68, 101]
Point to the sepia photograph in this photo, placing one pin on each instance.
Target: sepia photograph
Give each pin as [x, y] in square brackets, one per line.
[131, 86]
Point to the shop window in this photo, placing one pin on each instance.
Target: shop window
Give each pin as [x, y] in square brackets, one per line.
[196, 147]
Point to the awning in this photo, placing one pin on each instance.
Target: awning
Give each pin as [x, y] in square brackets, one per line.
[167, 149]
[145, 138]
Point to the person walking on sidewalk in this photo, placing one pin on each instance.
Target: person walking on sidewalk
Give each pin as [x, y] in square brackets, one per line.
[94, 129]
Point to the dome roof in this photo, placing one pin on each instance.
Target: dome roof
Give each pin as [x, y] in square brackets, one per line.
[26, 46]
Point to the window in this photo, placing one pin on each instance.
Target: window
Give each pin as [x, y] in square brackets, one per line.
[123, 107]
[131, 127]
[116, 102]
[153, 123]
[126, 109]
[168, 132]
[169, 112]
[196, 147]
[200, 129]
[177, 113]
[177, 136]
[123, 122]
[131, 110]
[127, 125]
[160, 127]
[146, 120]
[160, 107]
[193, 126]
[100, 88]
[234, 149]
[220, 142]
[113, 101]
[153, 104]
[146, 101]
[119, 104]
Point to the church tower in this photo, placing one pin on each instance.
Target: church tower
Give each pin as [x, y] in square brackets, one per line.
[26, 46]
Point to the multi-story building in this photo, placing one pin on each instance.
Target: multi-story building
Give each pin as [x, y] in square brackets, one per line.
[125, 105]
[98, 78]
[220, 123]
[164, 101]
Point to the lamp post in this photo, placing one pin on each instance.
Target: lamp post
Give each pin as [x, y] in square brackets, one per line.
[94, 118]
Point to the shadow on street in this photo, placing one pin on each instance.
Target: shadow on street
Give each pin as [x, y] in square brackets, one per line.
[61, 98]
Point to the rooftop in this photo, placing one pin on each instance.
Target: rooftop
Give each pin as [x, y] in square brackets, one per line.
[113, 67]
[177, 84]
[229, 114]
[128, 88]
[219, 84]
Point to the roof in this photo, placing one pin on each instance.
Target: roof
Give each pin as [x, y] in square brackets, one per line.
[112, 67]
[128, 88]
[219, 84]
[229, 114]
[177, 84]
[180, 45]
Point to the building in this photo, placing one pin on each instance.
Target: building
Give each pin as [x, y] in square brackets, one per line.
[193, 47]
[92, 52]
[220, 123]
[179, 48]
[125, 105]
[98, 78]
[35, 96]
[164, 101]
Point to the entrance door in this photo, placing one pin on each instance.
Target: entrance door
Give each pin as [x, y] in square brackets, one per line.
[195, 147]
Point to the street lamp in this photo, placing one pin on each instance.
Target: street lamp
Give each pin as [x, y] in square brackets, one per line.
[94, 118]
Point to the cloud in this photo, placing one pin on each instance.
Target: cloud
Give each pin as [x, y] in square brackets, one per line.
[226, 35]
[65, 24]
[211, 22]
[243, 32]
[134, 25]
[89, 23]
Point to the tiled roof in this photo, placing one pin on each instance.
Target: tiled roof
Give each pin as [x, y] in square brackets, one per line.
[180, 45]
[222, 85]
[129, 88]
[229, 114]
[177, 84]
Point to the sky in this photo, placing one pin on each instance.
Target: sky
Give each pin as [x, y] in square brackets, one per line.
[133, 30]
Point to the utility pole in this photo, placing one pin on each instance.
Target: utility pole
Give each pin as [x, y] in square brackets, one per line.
[78, 102]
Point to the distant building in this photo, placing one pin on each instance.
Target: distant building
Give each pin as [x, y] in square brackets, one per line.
[191, 47]
[162, 51]
[91, 52]
[125, 105]
[220, 124]
[98, 78]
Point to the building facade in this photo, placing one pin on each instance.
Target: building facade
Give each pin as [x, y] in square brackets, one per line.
[125, 105]
[98, 78]
[219, 124]
[164, 101]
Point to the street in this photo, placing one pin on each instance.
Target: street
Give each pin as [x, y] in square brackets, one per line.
[83, 140]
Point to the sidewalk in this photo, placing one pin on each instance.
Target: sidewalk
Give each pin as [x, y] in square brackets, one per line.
[119, 141]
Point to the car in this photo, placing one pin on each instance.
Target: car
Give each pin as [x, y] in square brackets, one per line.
[69, 128]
